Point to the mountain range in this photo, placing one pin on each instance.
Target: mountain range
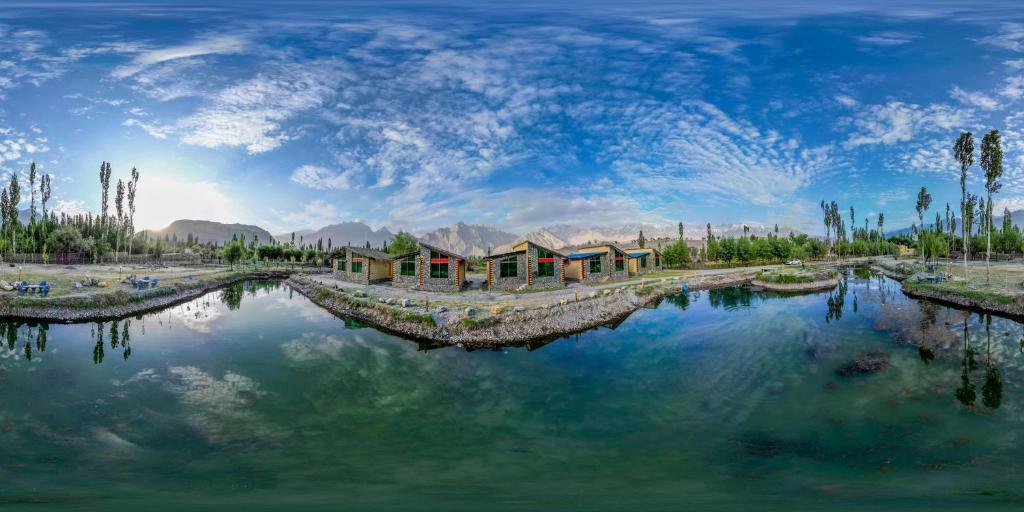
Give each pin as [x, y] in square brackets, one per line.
[343, 233]
[209, 231]
[463, 238]
[1017, 217]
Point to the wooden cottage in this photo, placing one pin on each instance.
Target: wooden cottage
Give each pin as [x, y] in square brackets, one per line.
[596, 263]
[527, 264]
[644, 260]
[363, 266]
[431, 269]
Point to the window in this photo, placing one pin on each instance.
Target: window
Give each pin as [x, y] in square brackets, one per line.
[407, 267]
[341, 263]
[595, 265]
[545, 263]
[508, 267]
[438, 265]
[643, 261]
[620, 263]
[657, 260]
[357, 265]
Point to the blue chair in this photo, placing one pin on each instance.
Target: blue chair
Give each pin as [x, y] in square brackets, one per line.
[21, 288]
[154, 283]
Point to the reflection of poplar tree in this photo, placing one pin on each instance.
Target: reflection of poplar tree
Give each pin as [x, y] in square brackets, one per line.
[114, 335]
[12, 336]
[992, 390]
[966, 393]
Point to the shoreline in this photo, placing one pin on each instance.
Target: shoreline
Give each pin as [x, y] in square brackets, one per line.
[1013, 308]
[120, 303]
[511, 328]
[810, 286]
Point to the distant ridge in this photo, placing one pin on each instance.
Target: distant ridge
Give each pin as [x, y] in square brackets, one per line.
[210, 231]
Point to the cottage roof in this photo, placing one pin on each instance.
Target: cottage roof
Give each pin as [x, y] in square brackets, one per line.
[371, 253]
[443, 251]
[583, 255]
[510, 253]
[637, 252]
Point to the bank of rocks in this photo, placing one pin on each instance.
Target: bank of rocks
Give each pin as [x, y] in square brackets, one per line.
[825, 284]
[470, 329]
[121, 303]
[1005, 305]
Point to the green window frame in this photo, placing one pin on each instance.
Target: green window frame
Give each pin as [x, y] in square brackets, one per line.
[438, 270]
[407, 267]
[620, 265]
[595, 265]
[357, 267]
[342, 262]
[508, 266]
[643, 261]
[657, 260]
[545, 268]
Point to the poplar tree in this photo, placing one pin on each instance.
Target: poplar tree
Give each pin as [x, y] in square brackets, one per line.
[992, 163]
[963, 150]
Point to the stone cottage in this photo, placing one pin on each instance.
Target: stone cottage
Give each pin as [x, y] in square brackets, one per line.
[644, 260]
[363, 266]
[596, 263]
[430, 269]
[526, 265]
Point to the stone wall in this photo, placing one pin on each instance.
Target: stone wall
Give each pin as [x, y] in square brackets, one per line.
[403, 281]
[346, 274]
[553, 281]
[430, 284]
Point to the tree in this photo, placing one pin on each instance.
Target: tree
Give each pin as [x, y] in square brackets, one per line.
[963, 150]
[853, 222]
[881, 225]
[992, 163]
[14, 195]
[1007, 220]
[119, 208]
[924, 200]
[44, 191]
[403, 243]
[234, 251]
[681, 237]
[640, 239]
[32, 193]
[133, 184]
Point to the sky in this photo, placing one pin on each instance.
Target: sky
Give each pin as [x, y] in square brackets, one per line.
[415, 115]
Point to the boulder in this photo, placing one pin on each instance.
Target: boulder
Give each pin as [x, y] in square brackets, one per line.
[563, 301]
[382, 300]
[359, 293]
[406, 303]
[592, 295]
[442, 309]
[521, 288]
[5, 286]
[606, 292]
[470, 312]
[496, 310]
[518, 309]
[392, 301]
[865, 364]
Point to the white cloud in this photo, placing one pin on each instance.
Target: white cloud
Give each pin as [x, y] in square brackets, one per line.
[975, 98]
[1014, 63]
[694, 147]
[251, 114]
[322, 178]
[1009, 37]
[154, 130]
[314, 214]
[890, 38]
[847, 101]
[895, 121]
[214, 45]
[1013, 87]
[159, 201]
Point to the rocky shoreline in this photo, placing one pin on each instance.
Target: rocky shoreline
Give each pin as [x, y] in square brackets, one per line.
[826, 284]
[120, 303]
[1013, 307]
[519, 326]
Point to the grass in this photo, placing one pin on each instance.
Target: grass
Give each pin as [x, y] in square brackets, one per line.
[795, 275]
[964, 290]
[472, 323]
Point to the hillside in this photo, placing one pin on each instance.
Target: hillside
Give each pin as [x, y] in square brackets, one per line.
[468, 239]
[343, 233]
[209, 231]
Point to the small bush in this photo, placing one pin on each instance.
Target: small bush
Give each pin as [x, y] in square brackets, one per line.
[472, 323]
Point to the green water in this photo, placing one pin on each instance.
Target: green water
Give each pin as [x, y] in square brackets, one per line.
[253, 398]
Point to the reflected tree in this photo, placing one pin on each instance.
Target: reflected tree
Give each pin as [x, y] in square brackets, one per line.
[966, 393]
[231, 296]
[12, 336]
[992, 390]
[679, 300]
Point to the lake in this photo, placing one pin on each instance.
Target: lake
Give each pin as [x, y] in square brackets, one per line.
[253, 398]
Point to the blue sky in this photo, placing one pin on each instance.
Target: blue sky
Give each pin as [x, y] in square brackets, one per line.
[416, 115]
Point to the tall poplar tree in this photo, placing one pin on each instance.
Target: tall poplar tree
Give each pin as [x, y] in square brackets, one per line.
[992, 164]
